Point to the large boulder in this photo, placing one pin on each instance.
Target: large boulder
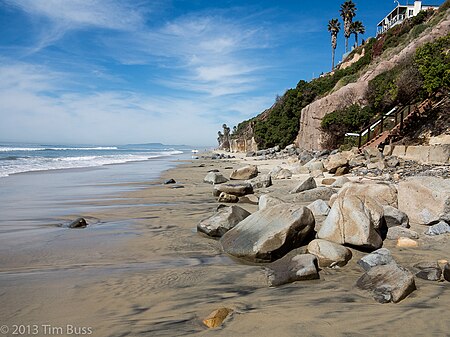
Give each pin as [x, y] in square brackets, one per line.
[395, 217]
[234, 189]
[340, 182]
[355, 221]
[267, 200]
[222, 220]
[261, 181]
[430, 271]
[425, 199]
[321, 192]
[388, 283]
[380, 257]
[291, 268]
[244, 173]
[270, 233]
[335, 161]
[305, 185]
[283, 174]
[215, 178]
[319, 208]
[383, 193]
[397, 232]
[329, 253]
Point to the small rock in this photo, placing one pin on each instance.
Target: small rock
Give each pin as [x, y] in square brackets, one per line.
[216, 318]
[319, 208]
[227, 198]
[447, 272]
[440, 228]
[328, 181]
[169, 181]
[395, 217]
[329, 253]
[406, 243]
[244, 173]
[379, 257]
[290, 268]
[78, 223]
[340, 171]
[429, 271]
[175, 187]
[315, 166]
[283, 174]
[340, 182]
[249, 199]
[262, 181]
[308, 184]
[389, 283]
[267, 200]
[392, 162]
[321, 192]
[317, 174]
[215, 178]
[235, 189]
[394, 233]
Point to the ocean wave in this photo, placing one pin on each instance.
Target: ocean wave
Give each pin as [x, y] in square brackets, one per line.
[13, 149]
[31, 164]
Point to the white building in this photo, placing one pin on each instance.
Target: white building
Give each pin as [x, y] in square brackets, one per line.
[400, 13]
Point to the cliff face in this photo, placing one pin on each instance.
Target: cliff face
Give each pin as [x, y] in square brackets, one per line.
[310, 136]
[243, 145]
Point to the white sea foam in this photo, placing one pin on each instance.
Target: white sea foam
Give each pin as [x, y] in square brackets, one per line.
[30, 164]
[12, 149]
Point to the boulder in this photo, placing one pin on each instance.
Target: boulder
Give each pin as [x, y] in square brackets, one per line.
[426, 200]
[335, 161]
[340, 171]
[403, 242]
[169, 181]
[332, 199]
[430, 271]
[319, 208]
[308, 184]
[440, 228]
[394, 233]
[216, 318]
[329, 253]
[222, 220]
[283, 174]
[267, 200]
[78, 223]
[234, 189]
[270, 233]
[388, 283]
[395, 217]
[249, 199]
[341, 181]
[321, 192]
[261, 181]
[316, 165]
[328, 181]
[447, 272]
[383, 193]
[379, 257]
[392, 162]
[291, 268]
[352, 222]
[215, 178]
[317, 174]
[244, 173]
[227, 198]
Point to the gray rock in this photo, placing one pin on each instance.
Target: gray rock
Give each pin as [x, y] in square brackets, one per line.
[329, 253]
[379, 257]
[316, 165]
[395, 217]
[319, 208]
[305, 157]
[447, 272]
[429, 271]
[270, 233]
[249, 199]
[392, 162]
[426, 200]
[262, 181]
[244, 173]
[388, 283]
[169, 181]
[234, 189]
[383, 193]
[357, 161]
[317, 174]
[215, 178]
[227, 198]
[78, 223]
[222, 220]
[321, 192]
[267, 200]
[394, 233]
[283, 174]
[308, 184]
[341, 181]
[440, 228]
[355, 221]
[340, 171]
[336, 161]
[291, 268]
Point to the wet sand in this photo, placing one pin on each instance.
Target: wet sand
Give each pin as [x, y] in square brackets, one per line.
[141, 269]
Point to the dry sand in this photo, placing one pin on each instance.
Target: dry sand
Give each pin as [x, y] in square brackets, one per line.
[143, 270]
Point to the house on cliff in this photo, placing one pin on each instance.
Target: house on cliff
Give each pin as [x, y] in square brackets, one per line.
[401, 13]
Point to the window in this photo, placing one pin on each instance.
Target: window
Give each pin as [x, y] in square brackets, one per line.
[411, 13]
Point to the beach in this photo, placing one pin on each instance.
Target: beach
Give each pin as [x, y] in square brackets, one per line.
[141, 268]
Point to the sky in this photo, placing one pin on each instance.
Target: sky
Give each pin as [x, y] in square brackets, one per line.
[169, 71]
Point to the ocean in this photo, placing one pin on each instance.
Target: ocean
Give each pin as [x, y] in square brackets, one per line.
[40, 184]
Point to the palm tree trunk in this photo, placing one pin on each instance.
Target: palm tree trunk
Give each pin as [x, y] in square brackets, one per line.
[346, 44]
[332, 59]
[356, 39]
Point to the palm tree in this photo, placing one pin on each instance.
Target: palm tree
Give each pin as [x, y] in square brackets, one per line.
[357, 28]
[333, 27]
[348, 12]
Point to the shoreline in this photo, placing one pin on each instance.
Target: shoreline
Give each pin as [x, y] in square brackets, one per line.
[145, 270]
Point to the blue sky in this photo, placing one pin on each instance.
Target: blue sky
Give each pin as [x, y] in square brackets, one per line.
[171, 71]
